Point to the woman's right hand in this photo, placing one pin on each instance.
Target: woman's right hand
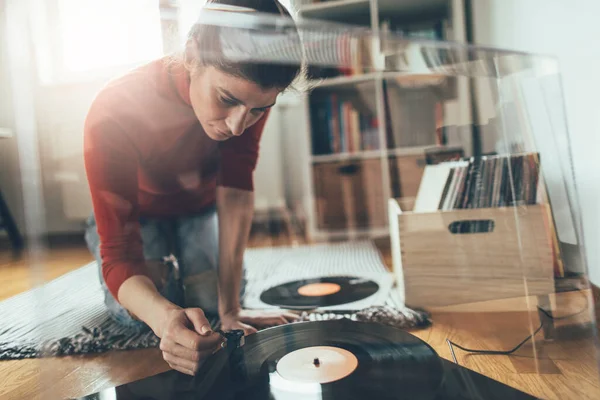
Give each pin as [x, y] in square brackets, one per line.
[187, 339]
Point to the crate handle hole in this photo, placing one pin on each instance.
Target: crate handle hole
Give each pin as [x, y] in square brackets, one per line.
[471, 226]
[349, 169]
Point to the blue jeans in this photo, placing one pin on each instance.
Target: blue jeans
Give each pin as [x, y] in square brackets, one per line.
[194, 240]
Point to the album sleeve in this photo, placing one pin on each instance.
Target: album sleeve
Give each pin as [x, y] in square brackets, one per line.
[239, 156]
[111, 162]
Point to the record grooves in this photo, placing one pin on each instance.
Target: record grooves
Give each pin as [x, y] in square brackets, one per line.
[319, 292]
[391, 364]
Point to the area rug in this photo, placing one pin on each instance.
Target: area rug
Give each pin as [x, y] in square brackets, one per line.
[66, 316]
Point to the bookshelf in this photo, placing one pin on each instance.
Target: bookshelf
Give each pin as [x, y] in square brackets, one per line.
[354, 166]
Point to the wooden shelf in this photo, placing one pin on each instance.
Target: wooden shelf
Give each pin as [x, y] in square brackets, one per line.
[415, 80]
[412, 150]
[402, 78]
[412, 8]
[344, 80]
[362, 155]
[337, 10]
[370, 154]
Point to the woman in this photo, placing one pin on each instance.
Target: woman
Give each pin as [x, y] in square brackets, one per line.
[170, 149]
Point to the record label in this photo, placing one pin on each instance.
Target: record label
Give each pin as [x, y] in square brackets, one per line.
[317, 364]
[319, 289]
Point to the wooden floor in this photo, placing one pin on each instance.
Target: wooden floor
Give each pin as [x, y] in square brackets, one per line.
[563, 368]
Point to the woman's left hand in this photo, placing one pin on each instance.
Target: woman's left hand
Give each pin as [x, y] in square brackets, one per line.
[251, 320]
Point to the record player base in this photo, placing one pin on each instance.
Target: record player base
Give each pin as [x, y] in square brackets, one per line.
[565, 369]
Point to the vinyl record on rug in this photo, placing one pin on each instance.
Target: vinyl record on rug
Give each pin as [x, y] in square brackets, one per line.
[319, 292]
[337, 359]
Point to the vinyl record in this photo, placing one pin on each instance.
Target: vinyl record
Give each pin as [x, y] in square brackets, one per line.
[338, 359]
[319, 292]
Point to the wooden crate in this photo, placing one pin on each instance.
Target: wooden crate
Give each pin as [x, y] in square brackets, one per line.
[435, 267]
[349, 194]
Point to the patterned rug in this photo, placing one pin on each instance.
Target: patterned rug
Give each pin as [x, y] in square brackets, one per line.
[66, 316]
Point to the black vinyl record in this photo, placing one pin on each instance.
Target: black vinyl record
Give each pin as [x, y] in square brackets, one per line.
[347, 290]
[390, 364]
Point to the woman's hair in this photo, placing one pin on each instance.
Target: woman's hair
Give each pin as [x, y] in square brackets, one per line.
[209, 43]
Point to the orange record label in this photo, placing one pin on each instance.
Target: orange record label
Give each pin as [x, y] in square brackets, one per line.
[319, 289]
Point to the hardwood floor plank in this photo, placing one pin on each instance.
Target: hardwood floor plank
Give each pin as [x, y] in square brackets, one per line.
[526, 361]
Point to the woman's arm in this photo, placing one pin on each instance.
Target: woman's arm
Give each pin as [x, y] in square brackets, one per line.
[235, 205]
[111, 165]
[141, 298]
[235, 209]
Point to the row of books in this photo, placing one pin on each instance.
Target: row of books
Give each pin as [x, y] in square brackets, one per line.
[482, 182]
[412, 118]
[338, 127]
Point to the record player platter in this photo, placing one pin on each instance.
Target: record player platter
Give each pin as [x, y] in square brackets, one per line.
[339, 359]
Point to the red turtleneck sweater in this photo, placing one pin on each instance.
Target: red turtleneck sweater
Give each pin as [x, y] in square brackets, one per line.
[146, 155]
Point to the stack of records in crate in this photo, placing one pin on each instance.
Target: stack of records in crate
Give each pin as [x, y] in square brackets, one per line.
[480, 182]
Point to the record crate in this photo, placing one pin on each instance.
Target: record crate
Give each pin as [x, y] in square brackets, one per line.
[468, 255]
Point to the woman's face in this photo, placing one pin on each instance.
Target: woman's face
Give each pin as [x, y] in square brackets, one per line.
[226, 105]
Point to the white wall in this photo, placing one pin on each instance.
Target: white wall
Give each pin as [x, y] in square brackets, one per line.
[568, 30]
[10, 183]
[279, 179]
[61, 111]
[295, 150]
[269, 190]
[55, 134]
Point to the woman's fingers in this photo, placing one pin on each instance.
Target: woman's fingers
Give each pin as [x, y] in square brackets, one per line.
[182, 369]
[175, 361]
[198, 319]
[182, 326]
[248, 329]
[185, 371]
[192, 340]
[184, 364]
[183, 352]
[291, 317]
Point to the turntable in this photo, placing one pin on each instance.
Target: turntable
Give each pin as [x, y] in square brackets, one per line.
[338, 359]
